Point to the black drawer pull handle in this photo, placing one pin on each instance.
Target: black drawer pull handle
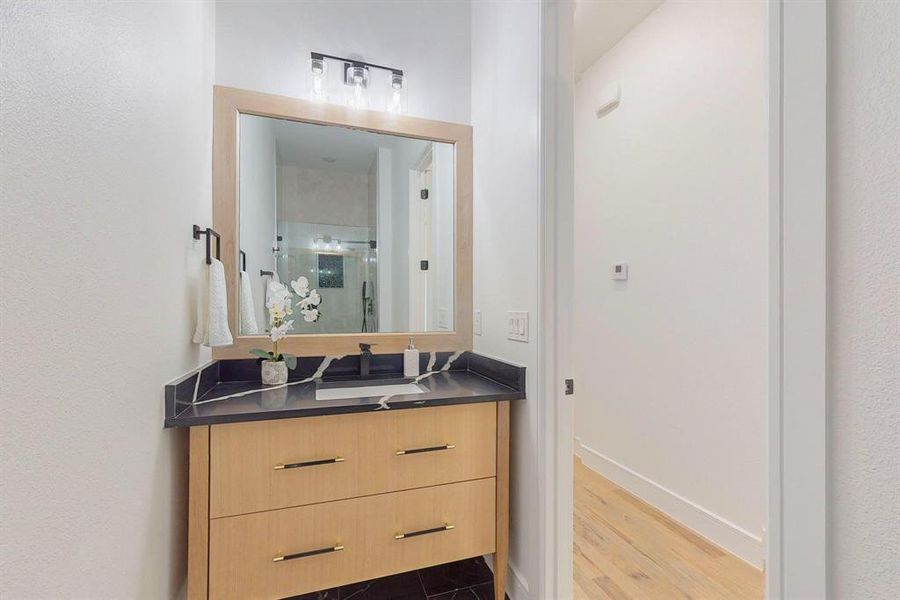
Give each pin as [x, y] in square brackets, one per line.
[428, 449]
[445, 527]
[309, 463]
[336, 548]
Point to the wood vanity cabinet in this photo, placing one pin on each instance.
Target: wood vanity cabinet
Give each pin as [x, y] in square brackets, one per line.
[283, 507]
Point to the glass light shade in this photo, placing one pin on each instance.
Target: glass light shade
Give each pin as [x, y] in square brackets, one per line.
[318, 75]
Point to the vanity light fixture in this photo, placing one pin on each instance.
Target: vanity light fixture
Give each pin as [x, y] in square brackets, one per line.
[326, 242]
[357, 77]
[363, 89]
[396, 102]
[318, 78]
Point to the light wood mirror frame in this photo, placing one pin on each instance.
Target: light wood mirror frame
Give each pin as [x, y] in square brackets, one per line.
[228, 105]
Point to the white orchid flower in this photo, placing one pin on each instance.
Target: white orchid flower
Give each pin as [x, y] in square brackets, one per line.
[301, 286]
[281, 331]
[310, 315]
[276, 307]
[313, 300]
[276, 287]
[279, 301]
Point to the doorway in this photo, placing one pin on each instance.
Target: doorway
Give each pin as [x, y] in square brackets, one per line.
[794, 540]
[421, 202]
[670, 302]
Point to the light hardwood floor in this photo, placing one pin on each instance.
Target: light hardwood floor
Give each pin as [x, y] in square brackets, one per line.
[627, 550]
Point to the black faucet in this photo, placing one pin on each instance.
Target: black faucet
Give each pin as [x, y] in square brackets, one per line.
[365, 356]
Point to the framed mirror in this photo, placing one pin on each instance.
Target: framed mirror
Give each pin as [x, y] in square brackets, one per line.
[365, 216]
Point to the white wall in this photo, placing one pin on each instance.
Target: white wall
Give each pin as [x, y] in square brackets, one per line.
[105, 163]
[325, 196]
[505, 110]
[404, 156]
[671, 365]
[258, 195]
[265, 46]
[864, 300]
[441, 290]
[384, 298]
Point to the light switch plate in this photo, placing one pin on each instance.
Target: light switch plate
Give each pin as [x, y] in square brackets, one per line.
[477, 322]
[517, 325]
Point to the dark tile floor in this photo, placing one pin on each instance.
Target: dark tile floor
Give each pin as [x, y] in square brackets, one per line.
[469, 579]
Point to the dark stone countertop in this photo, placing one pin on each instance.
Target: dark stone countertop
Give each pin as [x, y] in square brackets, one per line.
[229, 391]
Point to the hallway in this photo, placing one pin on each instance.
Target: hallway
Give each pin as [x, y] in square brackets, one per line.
[627, 550]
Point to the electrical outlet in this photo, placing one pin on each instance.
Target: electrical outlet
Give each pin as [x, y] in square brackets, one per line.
[517, 325]
[477, 322]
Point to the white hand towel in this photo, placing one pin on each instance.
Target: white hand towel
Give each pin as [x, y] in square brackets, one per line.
[248, 310]
[219, 334]
[201, 332]
[273, 278]
[212, 308]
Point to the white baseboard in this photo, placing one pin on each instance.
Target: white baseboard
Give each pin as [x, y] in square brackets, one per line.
[516, 585]
[720, 531]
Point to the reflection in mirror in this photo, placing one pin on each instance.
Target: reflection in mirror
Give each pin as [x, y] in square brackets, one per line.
[367, 218]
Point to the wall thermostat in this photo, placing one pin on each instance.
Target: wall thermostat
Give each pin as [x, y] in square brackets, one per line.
[620, 272]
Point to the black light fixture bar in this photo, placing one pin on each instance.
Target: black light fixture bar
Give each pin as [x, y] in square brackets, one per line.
[354, 62]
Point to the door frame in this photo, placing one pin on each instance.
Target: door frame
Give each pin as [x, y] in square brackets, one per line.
[796, 541]
[419, 307]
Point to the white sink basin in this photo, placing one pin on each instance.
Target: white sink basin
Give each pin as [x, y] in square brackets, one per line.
[366, 391]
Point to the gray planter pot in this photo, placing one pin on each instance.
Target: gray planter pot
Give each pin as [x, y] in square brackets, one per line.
[274, 373]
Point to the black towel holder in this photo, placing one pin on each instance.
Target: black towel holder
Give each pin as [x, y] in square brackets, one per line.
[243, 260]
[209, 233]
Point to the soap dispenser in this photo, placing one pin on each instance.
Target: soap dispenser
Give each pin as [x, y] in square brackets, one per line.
[411, 360]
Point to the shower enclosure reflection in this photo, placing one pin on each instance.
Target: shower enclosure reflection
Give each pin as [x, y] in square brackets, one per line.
[367, 218]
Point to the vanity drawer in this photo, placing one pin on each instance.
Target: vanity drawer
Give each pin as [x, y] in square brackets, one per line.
[440, 524]
[268, 465]
[429, 526]
[319, 546]
[288, 462]
[406, 449]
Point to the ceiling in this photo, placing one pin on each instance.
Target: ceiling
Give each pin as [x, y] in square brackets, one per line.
[333, 148]
[600, 24]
